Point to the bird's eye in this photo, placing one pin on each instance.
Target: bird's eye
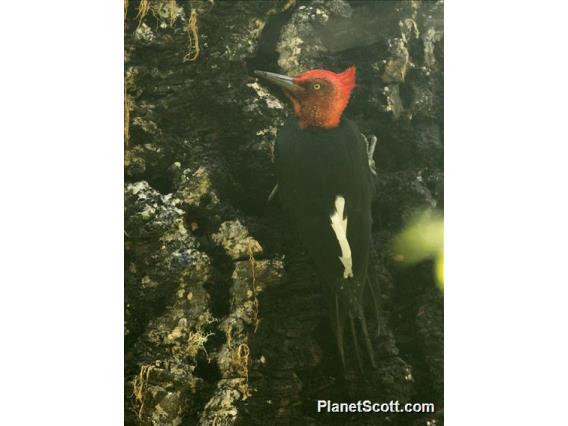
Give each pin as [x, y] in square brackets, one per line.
[317, 86]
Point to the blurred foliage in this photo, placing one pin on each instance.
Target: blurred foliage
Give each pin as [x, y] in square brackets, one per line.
[422, 239]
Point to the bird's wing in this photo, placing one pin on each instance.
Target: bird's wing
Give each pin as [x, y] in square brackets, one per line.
[314, 169]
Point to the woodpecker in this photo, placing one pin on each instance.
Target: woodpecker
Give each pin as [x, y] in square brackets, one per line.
[326, 185]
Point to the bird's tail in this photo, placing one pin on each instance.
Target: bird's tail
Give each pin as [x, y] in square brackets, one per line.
[347, 310]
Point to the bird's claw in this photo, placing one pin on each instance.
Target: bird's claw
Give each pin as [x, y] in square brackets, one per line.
[371, 145]
[273, 193]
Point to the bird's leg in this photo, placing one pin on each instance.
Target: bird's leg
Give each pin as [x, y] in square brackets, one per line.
[356, 343]
[371, 151]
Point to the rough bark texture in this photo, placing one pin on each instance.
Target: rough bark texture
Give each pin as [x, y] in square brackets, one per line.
[225, 323]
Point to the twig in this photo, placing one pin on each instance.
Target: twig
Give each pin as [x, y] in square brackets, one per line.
[193, 34]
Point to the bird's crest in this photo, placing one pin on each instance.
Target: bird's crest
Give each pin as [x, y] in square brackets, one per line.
[347, 80]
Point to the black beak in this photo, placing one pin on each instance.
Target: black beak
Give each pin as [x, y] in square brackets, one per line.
[281, 80]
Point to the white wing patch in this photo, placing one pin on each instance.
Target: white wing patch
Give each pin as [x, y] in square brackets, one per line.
[339, 226]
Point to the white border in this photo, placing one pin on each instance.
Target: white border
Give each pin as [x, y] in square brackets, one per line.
[505, 213]
[61, 222]
[61, 313]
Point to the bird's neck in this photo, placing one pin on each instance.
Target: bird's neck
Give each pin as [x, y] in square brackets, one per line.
[324, 116]
[309, 126]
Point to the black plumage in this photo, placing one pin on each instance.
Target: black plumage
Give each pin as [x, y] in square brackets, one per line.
[314, 167]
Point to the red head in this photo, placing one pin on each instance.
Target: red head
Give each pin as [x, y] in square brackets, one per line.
[318, 96]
